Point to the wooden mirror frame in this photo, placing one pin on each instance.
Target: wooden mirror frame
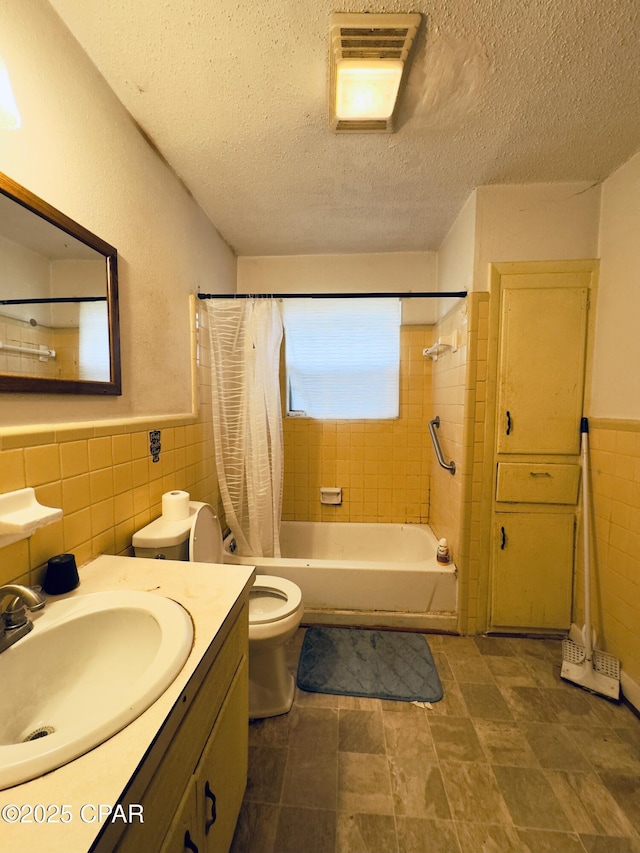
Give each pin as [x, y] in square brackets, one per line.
[40, 385]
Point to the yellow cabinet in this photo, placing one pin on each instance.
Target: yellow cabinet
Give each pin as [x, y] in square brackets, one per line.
[206, 817]
[192, 799]
[542, 357]
[532, 579]
[541, 316]
[534, 482]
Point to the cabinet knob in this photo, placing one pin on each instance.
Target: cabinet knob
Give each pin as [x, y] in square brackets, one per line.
[509, 423]
[188, 843]
[212, 797]
[503, 539]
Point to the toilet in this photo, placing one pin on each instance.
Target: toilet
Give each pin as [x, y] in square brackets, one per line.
[275, 604]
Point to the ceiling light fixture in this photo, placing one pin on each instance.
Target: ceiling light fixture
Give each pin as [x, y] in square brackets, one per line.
[9, 115]
[367, 66]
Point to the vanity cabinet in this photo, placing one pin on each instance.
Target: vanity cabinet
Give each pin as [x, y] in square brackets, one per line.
[192, 799]
[542, 320]
[206, 817]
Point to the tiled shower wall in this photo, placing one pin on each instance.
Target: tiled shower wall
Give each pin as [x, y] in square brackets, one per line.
[383, 467]
[103, 477]
[387, 469]
[65, 342]
[615, 480]
[459, 399]
[448, 384]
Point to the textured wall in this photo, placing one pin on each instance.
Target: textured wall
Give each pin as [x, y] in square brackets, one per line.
[615, 391]
[79, 150]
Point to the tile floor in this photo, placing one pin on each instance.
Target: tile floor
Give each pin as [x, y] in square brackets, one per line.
[512, 760]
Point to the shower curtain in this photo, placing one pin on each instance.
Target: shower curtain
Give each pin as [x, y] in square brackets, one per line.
[245, 337]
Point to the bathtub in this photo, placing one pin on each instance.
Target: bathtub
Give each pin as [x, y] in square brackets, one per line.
[363, 574]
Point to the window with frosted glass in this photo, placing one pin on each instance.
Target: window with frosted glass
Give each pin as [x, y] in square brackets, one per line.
[342, 358]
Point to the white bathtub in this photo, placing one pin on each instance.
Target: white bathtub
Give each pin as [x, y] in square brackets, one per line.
[364, 574]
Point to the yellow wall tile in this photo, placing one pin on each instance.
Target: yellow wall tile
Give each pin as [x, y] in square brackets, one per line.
[123, 507]
[616, 502]
[76, 529]
[104, 543]
[76, 493]
[12, 473]
[140, 445]
[101, 484]
[102, 516]
[100, 453]
[121, 449]
[74, 458]
[42, 464]
[14, 562]
[45, 543]
[122, 478]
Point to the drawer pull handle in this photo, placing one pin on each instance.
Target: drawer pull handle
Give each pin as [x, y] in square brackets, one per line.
[188, 843]
[503, 539]
[539, 474]
[210, 796]
[509, 423]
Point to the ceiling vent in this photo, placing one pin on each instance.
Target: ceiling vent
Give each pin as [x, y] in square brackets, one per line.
[373, 45]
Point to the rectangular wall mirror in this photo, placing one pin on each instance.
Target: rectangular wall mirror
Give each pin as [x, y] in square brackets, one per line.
[59, 325]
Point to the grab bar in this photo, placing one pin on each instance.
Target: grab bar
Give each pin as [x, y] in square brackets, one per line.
[448, 466]
[44, 353]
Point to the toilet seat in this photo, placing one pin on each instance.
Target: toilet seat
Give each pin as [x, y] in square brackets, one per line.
[272, 598]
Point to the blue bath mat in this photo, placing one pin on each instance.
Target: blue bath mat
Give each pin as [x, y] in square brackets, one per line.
[358, 662]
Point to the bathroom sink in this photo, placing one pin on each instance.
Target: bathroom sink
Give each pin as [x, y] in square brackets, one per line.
[90, 666]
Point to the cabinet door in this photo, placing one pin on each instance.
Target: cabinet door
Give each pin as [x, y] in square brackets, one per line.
[541, 376]
[206, 817]
[222, 773]
[183, 833]
[532, 570]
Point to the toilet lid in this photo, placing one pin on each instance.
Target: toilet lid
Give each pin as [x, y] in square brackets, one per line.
[205, 539]
[272, 598]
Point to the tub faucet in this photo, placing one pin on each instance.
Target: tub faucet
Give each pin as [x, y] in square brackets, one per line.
[14, 622]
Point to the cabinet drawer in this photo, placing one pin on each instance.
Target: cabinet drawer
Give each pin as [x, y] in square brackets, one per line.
[523, 482]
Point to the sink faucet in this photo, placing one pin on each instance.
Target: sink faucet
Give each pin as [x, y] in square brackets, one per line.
[14, 622]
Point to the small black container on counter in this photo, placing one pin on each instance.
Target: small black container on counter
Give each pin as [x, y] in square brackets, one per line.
[62, 575]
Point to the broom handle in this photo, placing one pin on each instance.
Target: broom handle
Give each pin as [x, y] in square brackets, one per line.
[584, 445]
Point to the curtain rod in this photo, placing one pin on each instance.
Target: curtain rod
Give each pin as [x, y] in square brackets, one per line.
[53, 300]
[406, 295]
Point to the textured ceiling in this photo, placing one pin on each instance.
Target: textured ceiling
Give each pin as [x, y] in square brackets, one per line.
[234, 96]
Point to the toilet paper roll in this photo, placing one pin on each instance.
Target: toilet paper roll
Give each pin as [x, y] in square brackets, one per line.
[175, 505]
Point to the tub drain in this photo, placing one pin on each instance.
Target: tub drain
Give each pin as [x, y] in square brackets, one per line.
[42, 731]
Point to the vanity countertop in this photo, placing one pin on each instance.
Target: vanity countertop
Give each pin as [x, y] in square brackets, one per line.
[209, 593]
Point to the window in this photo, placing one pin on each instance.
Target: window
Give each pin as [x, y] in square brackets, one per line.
[342, 358]
[94, 342]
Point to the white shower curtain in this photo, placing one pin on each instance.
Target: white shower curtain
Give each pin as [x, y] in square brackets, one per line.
[247, 419]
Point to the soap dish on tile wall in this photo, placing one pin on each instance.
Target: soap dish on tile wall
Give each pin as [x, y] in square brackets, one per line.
[330, 495]
[21, 515]
[445, 343]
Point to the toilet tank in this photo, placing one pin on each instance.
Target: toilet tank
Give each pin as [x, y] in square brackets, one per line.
[163, 539]
[166, 539]
[170, 552]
